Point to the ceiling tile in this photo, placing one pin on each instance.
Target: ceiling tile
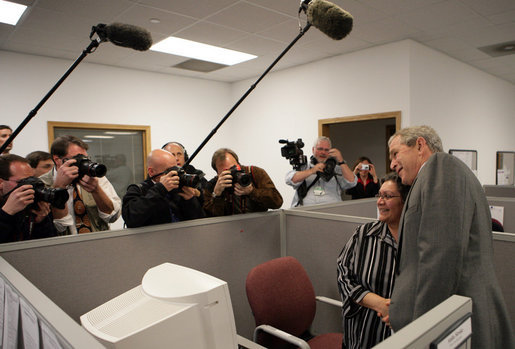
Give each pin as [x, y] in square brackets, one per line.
[247, 17]
[194, 8]
[141, 15]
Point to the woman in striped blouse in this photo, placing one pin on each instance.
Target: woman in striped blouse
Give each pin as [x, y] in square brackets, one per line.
[366, 270]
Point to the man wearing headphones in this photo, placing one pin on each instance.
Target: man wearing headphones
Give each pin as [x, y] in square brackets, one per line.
[323, 180]
[178, 150]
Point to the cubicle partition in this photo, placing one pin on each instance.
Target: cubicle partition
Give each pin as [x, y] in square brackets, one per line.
[316, 239]
[507, 191]
[79, 273]
[359, 208]
[509, 211]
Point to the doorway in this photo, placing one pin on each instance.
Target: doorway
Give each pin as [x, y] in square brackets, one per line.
[363, 135]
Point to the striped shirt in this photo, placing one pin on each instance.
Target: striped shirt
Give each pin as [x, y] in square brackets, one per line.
[366, 264]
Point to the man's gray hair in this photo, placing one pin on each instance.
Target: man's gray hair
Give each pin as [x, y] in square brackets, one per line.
[323, 138]
[409, 137]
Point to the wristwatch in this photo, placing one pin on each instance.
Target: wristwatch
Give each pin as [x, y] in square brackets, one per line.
[343, 162]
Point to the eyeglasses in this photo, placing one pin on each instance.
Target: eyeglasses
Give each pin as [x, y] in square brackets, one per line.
[386, 196]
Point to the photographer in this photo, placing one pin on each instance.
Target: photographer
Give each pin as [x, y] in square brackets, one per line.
[238, 189]
[93, 202]
[161, 198]
[368, 183]
[181, 155]
[317, 182]
[18, 219]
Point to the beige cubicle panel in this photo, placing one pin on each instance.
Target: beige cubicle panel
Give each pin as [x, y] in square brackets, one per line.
[78, 273]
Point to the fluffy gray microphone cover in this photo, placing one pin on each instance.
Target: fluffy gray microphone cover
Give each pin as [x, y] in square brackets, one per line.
[330, 19]
[127, 35]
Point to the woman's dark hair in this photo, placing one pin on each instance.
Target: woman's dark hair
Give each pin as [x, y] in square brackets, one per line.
[394, 177]
[360, 159]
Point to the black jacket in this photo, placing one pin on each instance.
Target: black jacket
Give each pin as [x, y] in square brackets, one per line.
[150, 203]
[17, 227]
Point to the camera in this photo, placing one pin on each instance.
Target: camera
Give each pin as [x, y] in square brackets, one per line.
[239, 176]
[293, 152]
[88, 167]
[185, 179]
[365, 167]
[328, 171]
[57, 197]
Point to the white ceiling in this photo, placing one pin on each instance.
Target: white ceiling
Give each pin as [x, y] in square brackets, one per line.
[61, 28]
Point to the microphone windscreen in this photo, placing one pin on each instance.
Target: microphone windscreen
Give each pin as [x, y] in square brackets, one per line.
[127, 35]
[330, 19]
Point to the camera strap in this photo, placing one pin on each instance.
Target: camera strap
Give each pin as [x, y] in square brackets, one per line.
[303, 189]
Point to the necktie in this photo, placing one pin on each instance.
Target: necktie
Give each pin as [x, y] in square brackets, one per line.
[82, 221]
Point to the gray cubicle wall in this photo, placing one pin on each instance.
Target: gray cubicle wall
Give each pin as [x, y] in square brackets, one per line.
[359, 208]
[504, 252]
[507, 191]
[316, 239]
[79, 273]
[509, 211]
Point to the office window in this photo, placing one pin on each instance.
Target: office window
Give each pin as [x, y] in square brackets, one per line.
[121, 148]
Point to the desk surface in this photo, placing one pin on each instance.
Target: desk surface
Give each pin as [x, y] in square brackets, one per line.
[247, 344]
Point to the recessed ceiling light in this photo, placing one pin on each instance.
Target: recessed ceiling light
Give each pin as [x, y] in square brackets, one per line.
[197, 50]
[154, 20]
[10, 12]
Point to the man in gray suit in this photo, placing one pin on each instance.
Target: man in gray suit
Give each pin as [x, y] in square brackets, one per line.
[445, 243]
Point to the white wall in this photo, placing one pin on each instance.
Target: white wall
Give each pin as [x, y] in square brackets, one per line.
[426, 86]
[469, 109]
[176, 108]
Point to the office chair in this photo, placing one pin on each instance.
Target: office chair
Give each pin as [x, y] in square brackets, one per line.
[282, 300]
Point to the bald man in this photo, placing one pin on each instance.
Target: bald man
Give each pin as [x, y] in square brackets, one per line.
[160, 198]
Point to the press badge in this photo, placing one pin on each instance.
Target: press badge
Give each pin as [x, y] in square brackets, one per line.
[318, 191]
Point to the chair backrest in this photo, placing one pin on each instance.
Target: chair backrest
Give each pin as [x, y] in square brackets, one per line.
[280, 294]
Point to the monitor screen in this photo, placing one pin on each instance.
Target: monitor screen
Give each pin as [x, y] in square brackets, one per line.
[174, 307]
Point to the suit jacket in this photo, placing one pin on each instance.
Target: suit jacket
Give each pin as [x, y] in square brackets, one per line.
[446, 248]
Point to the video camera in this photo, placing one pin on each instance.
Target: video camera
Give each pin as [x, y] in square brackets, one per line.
[57, 197]
[293, 152]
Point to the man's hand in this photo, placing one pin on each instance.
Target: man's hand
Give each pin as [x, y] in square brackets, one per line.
[224, 181]
[19, 199]
[90, 184]
[170, 180]
[66, 174]
[188, 193]
[42, 211]
[240, 191]
[335, 153]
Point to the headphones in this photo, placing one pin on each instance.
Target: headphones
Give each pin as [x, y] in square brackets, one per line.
[180, 145]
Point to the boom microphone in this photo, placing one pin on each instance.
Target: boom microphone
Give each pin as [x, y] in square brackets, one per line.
[328, 18]
[125, 35]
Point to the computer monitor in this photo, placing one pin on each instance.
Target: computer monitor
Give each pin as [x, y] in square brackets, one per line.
[174, 307]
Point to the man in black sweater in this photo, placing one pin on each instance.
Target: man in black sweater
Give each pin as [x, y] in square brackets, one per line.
[161, 198]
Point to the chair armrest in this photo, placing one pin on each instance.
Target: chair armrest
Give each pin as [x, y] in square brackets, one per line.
[283, 335]
[329, 301]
